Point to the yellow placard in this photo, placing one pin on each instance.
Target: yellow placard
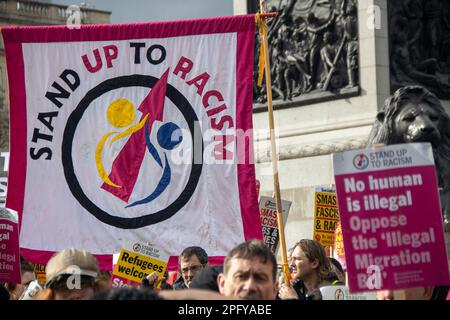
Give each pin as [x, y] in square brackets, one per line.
[39, 271]
[134, 266]
[326, 217]
[339, 242]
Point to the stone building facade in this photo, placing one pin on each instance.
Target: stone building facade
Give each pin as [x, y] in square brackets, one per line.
[308, 132]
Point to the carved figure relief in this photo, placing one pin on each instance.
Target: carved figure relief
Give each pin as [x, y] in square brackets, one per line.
[313, 48]
[419, 39]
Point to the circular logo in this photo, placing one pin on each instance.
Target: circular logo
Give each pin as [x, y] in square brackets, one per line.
[339, 295]
[120, 114]
[361, 161]
[137, 247]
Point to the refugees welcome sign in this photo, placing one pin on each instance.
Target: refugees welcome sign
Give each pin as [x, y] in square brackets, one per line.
[132, 132]
[391, 217]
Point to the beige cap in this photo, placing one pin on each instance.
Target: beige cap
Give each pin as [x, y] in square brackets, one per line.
[71, 261]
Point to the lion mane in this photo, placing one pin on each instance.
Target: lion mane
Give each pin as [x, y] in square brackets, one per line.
[383, 132]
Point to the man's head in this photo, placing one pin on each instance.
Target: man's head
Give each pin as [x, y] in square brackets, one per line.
[336, 267]
[71, 274]
[26, 276]
[191, 261]
[309, 259]
[249, 272]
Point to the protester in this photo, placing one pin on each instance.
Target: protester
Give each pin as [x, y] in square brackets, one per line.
[4, 294]
[440, 293]
[281, 275]
[26, 275]
[207, 278]
[289, 254]
[418, 293]
[338, 272]
[310, 265]
[32, 290]
[71, 275]
[103, 280]
[190, 262]
[249, 272]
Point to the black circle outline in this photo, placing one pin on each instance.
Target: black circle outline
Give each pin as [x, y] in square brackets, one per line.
[188, 113]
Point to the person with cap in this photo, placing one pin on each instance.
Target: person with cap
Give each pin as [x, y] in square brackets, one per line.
[71, 275]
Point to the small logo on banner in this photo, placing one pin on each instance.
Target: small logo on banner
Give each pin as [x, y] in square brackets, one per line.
[361, 161]
[137, 247]
[339, 295]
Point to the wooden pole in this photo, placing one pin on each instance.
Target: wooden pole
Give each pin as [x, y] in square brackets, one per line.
[273, 149]
[268, 15]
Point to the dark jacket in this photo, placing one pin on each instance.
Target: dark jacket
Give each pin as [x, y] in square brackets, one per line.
[207, 278]
[179, 284]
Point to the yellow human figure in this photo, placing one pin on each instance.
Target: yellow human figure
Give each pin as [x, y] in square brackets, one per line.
[120, 113]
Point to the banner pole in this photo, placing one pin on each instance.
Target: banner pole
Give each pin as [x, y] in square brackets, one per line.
[273, 149]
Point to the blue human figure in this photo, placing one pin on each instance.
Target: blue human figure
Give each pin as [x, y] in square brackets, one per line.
[169, 136]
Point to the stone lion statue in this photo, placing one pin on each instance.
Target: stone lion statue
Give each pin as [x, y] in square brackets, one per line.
[414, 114]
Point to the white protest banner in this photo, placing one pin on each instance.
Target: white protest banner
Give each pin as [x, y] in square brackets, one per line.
[132, 131]
[269, 222]
[391, 217]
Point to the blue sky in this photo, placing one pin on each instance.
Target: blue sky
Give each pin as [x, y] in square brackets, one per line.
[158, 10]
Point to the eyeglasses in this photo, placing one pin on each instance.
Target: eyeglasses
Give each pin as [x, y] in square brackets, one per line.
[193, 268]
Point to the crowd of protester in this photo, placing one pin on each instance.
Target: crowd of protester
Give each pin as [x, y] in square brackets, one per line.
[249, 271]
